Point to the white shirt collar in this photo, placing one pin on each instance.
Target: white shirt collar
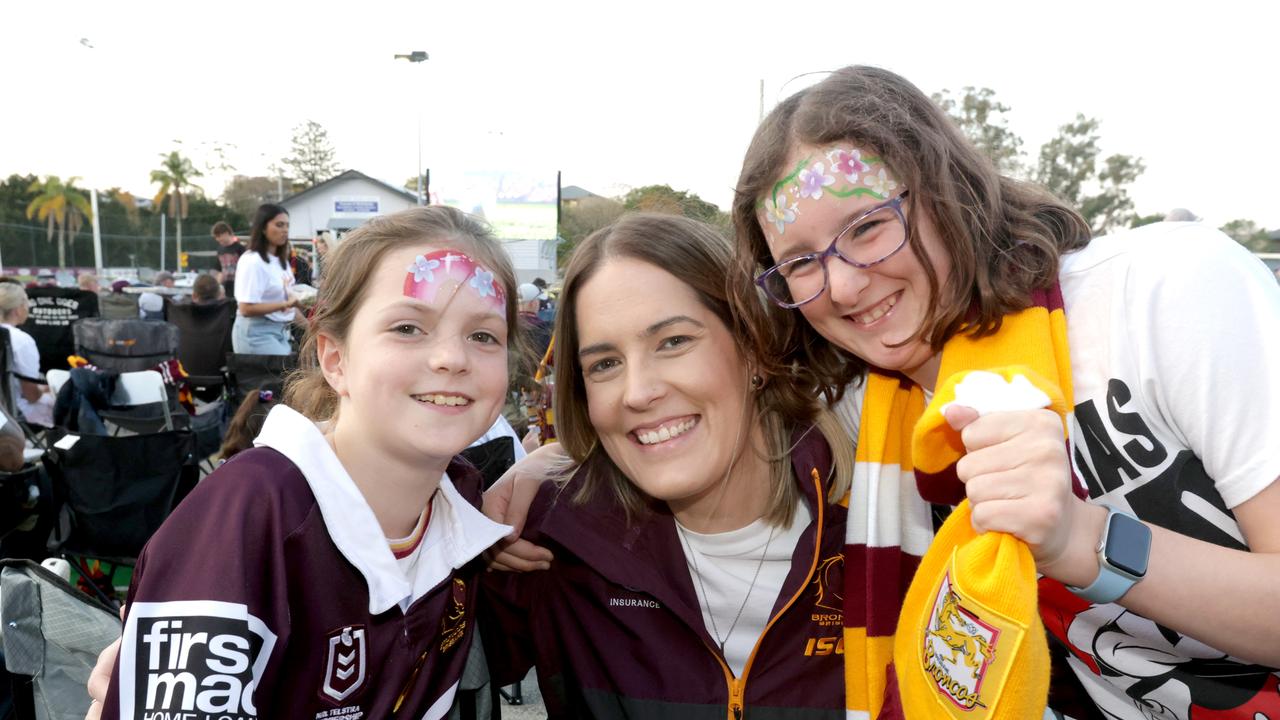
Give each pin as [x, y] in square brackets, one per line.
[457, 532]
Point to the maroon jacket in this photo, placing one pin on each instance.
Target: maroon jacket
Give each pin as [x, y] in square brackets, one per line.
[615, 629]
[243, 607]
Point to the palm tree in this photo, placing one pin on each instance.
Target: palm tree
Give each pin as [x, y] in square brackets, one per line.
[62, 206]
[175, 175]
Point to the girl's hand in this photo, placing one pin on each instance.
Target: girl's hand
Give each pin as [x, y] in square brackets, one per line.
[100, 676]
[1018, 478]
[508, 501]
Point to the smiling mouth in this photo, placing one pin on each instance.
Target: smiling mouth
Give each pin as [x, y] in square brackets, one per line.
[438, 399]
[877, 312]
[665, 432]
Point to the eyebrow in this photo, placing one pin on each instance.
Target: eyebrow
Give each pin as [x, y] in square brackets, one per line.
[648, 332]
[425, 309]
[795, 249]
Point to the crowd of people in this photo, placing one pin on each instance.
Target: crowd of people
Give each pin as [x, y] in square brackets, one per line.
[910, 443]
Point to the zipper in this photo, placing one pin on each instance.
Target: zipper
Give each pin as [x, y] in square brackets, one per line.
[738, 686]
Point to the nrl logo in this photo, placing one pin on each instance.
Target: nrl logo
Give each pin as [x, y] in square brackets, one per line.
[958, 649]
[345, 669]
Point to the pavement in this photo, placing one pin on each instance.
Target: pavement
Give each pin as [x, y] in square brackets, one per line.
[532, 707]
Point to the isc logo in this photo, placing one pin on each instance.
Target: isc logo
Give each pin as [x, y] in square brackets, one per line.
[196, 657]
[824, 646]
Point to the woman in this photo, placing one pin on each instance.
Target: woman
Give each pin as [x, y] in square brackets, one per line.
[891, 246]
[696, 540]
[33, 403]
[263, 283]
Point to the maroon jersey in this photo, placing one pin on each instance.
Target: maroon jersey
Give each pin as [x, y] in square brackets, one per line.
[271, 593]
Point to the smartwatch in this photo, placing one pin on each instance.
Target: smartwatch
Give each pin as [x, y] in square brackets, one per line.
[1123, 552]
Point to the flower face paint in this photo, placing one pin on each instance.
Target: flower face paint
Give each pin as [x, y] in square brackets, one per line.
[447, 271]
[865, 311]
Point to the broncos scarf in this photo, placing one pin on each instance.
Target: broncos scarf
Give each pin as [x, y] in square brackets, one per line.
[954, 633]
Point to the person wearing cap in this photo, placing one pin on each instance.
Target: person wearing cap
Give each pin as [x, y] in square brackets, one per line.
[538, 330]
[151, 305]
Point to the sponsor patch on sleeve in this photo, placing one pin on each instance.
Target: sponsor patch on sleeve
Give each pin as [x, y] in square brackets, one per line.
[192, 659]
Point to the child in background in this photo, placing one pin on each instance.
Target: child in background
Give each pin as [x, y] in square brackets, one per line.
[246, 423]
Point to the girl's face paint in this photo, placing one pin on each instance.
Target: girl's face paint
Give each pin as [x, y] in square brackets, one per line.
[863, 311]
[436, 276]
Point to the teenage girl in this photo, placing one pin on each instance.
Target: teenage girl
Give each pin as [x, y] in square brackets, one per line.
[331, 571]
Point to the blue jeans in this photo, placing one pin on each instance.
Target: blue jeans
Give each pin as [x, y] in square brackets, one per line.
[260, 336]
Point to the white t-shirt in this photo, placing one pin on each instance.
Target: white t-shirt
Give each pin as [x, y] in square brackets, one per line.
[727, 563]
[26, 362]
[1174, 360]
[264, 282]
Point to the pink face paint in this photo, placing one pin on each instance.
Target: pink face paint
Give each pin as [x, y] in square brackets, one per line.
[442, 273]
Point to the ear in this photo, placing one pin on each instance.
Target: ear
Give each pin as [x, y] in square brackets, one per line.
[332, 361]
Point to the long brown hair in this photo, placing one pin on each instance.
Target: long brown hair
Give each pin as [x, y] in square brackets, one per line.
[1004, 236]
[258, 234]
[700, 257]
[347, 275]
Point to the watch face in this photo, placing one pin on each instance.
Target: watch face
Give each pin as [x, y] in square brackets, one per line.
[1128, 545]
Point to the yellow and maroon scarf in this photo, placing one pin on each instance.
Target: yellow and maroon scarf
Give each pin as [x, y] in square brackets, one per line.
[954, 633]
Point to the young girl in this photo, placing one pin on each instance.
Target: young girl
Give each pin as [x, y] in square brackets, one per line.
[331, 571]
[247, 423]
[697, 567]
[892, 247]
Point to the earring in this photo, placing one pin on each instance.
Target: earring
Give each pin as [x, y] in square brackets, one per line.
[757, 382]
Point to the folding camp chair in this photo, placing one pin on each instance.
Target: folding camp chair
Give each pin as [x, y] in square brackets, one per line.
[52, 637]
[117, 490]
[125, 345]
[250, 373]
[204, 339]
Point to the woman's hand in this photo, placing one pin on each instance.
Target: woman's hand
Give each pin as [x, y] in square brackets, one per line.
[1017, 476]
[508, 501]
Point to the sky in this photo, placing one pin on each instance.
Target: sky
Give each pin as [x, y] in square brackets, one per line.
[619, 95]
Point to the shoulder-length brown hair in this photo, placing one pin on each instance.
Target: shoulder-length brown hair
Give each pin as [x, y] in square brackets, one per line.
[347, 277]
[1004, 237]
[700, 257]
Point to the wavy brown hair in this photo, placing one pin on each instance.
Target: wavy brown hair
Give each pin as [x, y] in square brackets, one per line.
[1004, 236]
[347, 275]
[700, 257]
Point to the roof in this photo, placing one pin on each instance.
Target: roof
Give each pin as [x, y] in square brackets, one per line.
[351, 175]
[573, 192]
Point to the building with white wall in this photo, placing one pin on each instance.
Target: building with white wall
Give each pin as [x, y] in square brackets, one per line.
[343, 203]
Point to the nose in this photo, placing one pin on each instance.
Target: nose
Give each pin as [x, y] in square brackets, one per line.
[448, 354]
[845, 282]
[643, 387]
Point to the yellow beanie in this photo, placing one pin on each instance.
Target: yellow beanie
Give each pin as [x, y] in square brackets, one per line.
[970, 643]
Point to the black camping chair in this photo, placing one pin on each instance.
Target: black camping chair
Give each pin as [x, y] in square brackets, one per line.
[119, 306]
[53, 310]
[19, 500]
[204, 340]
[116, 491]
[250, 373]
[125, 345]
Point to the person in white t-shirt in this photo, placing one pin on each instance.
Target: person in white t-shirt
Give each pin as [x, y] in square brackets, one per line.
[33, 402]
[892, 243]
[263, 287]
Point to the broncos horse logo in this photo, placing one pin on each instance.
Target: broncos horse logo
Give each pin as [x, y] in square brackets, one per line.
[830, 581]
[948, 628]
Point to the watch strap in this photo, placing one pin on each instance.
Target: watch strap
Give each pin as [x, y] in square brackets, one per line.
[1111, 583]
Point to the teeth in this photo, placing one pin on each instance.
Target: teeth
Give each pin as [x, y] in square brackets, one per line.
[876, 312]
[664, 434]
[448, 400]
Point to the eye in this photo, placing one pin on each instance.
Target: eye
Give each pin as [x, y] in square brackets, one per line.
[676, 342]
[406, 330]
[600, 366]
[798, 266]
[484, 336]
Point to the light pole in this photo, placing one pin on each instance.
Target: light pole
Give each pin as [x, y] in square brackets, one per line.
[417, 56]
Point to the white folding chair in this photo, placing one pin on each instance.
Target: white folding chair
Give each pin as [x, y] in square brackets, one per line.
[143, 387]
[56, 379]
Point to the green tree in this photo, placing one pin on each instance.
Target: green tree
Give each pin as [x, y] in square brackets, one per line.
[1248, 234]
[61, 205]
[663, 199]
[580, 219]
[313, 158]
[982, 119]
[244, 194]
[175, 176]
[1140, 220]
[1068, 167]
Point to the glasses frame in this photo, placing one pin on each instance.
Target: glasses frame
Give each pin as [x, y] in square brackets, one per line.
[894, 203]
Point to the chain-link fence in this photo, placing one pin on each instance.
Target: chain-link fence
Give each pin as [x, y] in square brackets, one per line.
[28, 246]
